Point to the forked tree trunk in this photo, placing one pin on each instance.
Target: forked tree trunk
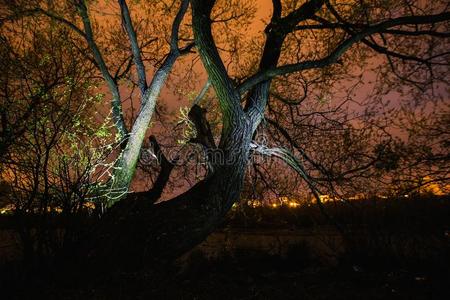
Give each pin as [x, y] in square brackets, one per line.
[136, 232]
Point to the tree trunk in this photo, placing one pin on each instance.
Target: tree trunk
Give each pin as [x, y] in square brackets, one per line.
[136, 232]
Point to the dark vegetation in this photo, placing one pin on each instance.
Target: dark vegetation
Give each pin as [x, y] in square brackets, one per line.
[418, 213]
[391, 248]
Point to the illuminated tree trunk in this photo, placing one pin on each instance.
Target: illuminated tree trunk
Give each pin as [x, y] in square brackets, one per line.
[167, 230]
[125, 166]
[137, 232]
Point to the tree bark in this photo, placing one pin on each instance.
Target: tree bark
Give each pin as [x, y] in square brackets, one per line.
[135, 232]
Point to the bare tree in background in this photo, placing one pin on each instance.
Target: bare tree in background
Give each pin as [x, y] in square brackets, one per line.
[55, 148]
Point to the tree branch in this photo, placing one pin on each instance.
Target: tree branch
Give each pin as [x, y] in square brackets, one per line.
[176, 26]
[129, 28]
[229, 98]
[204, 134]
[202, 93]
[304, 12]
[64, 21]
[276, 32]
[334, 56]
[329, 25]
[125, 165]
[298, 167]
[112, 85]
[163, 177]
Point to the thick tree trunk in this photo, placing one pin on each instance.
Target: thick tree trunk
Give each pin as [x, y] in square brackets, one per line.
[136, 232]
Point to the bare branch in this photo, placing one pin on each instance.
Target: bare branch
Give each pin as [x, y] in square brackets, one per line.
[202, 93]
[304, 12]
[277, 7]
[298, 167]
[129, 28]
[163, 177]
[125, 164]
[276, 32]
[229, 98]
[334, 56]
[176, 26]
[204, 135]
[112, 85]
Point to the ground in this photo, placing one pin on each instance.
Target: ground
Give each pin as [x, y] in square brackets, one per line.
[396, 249]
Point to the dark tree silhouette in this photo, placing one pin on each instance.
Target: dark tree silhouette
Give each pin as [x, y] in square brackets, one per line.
[408, 38]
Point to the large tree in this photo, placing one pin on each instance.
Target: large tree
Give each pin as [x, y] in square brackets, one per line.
[303, 40]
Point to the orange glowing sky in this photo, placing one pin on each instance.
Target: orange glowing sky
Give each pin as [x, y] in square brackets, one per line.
[264, 8]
